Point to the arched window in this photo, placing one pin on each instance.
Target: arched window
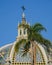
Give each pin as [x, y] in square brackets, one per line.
[24, 31]
[20, 32]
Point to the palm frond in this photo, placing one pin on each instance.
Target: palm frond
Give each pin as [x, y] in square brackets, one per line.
[38, 27]
[38, 37]
[26, 48]
[37, 24]
[47, 43]
[17, 45]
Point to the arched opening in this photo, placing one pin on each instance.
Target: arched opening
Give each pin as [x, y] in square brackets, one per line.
[20, 31]
[24, 31]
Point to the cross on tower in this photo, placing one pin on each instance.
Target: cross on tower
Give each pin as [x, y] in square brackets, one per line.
[23, 8]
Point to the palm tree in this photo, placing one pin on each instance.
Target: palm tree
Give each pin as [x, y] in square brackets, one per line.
[34, 34]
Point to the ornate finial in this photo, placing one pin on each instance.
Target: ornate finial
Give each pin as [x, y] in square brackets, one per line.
[23, 16]
[23, 8]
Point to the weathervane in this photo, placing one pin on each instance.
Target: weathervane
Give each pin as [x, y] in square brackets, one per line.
[23, 8]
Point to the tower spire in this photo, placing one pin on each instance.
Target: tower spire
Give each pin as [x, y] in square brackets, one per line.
[23, 15]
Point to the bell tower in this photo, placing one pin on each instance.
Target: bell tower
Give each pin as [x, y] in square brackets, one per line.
[22, 32]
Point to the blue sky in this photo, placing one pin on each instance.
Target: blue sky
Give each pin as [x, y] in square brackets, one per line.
[11, 13]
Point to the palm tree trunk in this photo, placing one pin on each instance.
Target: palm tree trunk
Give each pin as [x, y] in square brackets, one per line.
[34, 53]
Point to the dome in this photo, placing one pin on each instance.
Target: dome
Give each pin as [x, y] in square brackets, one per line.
[6, 52]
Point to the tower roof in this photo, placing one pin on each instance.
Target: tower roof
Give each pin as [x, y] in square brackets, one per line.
[23, 18]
